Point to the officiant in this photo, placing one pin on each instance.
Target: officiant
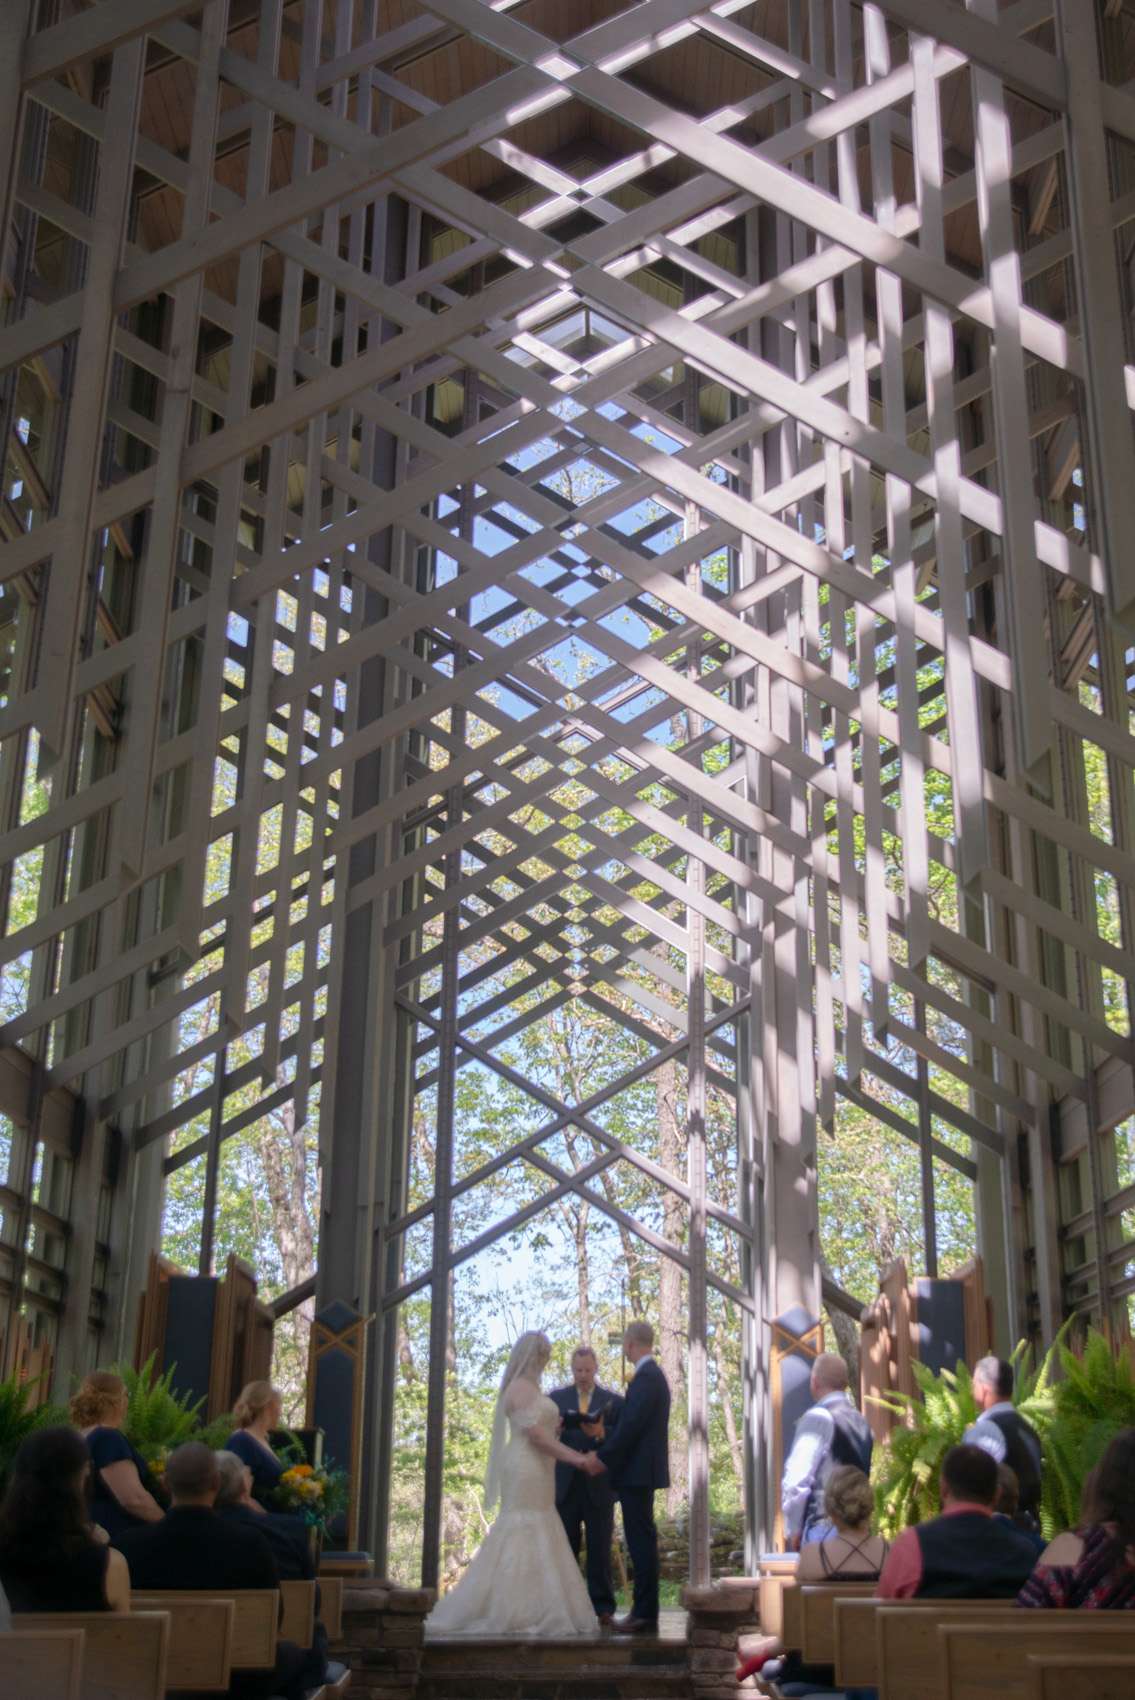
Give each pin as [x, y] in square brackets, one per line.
[586, 1503]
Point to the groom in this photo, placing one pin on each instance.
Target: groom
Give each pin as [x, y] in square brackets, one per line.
[637, 1458]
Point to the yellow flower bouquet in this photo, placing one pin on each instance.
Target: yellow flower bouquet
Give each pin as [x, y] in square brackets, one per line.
[315, 1495]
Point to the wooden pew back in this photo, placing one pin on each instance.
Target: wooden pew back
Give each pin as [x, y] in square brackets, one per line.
[792, 1615]
[255, 1615]
[1094, 1676]
[770, 1599]
[38, 1666]
[331, 1605]
[991, 1663]
[200, 1639]
[908, 1662]
[817, 1602]
[124, 1655]
[298, 1621]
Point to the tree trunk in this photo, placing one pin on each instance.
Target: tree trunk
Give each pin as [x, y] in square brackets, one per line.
[847, 1336]
[671, 1322]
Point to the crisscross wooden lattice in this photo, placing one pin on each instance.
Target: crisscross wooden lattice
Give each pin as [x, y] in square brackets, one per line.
[520, 502]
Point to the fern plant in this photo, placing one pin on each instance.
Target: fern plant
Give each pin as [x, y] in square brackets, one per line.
[158, 1418]
[19, 1418]
[907, 1468]
[1095, 1399]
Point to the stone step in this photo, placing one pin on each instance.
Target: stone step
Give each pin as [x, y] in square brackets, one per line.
[608, 1653]
[585, 1682]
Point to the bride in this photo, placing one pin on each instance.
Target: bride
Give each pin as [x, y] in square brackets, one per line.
[523, 1580]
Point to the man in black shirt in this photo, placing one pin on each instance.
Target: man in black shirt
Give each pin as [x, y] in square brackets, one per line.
[193, 1548]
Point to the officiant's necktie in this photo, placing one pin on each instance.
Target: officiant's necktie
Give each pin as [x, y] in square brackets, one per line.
[584, 1402]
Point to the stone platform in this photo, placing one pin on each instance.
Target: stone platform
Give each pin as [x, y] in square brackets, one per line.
[608, 1667]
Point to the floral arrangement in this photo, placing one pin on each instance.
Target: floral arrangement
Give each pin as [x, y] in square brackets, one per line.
[316, 1495]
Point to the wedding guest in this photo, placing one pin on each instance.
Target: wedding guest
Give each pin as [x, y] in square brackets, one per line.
[586, 1504]
[966, 1553]
[124, 1494]
[850, 1553]
[1001, 1431]
[291, 1548]
[831, 1432]
[51, 1557]
[193, 1548]
[1006, 1507]
[258, 1411]
[1097, 1571]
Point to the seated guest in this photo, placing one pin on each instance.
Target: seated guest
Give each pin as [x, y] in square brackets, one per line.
[287, 1536]
[1007, 1506]
[850, 1553]
[194, 1548]
[51, 1558]
[258, 1411]
[966, 1553]
[290, 1541]
[124, 1495]
[1095, 1569]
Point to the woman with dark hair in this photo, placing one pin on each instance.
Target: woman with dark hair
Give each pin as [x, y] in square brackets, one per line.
[1094, 1570]
[51, 1558]
[124, 1494]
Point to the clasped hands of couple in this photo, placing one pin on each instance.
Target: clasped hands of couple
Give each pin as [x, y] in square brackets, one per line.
[590, 1462]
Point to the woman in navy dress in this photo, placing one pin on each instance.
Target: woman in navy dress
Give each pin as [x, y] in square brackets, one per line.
[258, 1411]
[124, 1494]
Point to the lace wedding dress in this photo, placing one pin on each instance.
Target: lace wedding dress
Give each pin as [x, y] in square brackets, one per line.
[523, 1580]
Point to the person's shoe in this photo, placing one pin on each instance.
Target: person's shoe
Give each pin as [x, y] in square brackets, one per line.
[606, 1619]
[635, 1626]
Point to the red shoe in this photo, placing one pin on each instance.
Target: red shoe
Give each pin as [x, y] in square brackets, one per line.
[752, 1666]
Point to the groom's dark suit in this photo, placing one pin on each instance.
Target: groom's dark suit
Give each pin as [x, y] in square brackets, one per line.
[586, 1502]
[637, 1456]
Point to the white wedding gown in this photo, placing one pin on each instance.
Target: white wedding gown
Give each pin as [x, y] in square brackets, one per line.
[523, 1580]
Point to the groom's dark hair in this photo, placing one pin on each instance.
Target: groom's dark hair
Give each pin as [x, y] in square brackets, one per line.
[642, 1332]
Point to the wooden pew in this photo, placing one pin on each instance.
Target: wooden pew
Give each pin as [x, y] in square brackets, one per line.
[124, 1655]
[983, 1662]
[200, 1639]
[771, 1588]
[331, 1605]
[856, 1632]
[255, 1616]
[817, 1601]
[792, 1615]
[37, 1666]
[298, 1621]
[909, 1663]
[1095, 1676]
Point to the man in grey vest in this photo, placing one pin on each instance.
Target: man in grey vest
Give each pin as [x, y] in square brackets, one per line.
[832, 1432]
[1001, 1431]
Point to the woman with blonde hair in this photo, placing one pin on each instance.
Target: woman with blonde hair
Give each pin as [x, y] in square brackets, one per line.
[524, 1579]
[258, 1411]
[123, 1492]
[848, 1553]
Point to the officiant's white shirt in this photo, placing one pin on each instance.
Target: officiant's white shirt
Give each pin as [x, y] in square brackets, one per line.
[647, 1358]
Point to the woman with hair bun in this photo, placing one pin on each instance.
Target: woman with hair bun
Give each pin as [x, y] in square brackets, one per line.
[849, 1553]
[123, 1492]
[258, 1411]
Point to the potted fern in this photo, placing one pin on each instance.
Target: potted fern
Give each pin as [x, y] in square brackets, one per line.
[1076, 1412]
[907, 1467]
[160, 1419]
[19, 1418]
